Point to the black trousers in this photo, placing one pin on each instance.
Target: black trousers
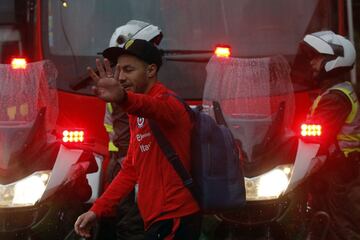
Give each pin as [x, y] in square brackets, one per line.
[337, 192]
[127, 224]
[187, 228]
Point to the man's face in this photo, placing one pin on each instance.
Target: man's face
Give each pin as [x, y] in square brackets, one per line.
[133, 75]
[316, 65]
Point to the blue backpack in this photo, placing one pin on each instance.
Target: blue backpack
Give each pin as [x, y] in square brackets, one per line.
[216, 180]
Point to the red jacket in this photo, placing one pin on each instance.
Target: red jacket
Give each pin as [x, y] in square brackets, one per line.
[161, 194]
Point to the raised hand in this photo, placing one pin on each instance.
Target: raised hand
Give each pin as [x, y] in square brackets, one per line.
[107, 87]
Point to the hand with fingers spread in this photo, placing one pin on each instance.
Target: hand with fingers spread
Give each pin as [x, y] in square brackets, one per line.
[107, 87]
[84, 224]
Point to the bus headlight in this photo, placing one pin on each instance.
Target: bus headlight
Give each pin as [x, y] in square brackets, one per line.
[25, 192]
[269, 185]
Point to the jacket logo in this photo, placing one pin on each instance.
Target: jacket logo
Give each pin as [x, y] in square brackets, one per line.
[140, 122]
[140, 136]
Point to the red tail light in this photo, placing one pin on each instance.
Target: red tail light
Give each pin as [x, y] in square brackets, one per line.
[18, 63]
[311, 130]
[222, 51]
[73, 136]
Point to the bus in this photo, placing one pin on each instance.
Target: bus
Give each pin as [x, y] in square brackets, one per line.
[73, 33]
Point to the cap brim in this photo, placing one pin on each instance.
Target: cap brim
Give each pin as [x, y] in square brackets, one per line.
[113, 53]
[141, 52]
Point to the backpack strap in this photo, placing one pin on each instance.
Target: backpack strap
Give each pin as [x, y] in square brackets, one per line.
[218, 114]
[170, 152]
[172, 156]
[187, 107]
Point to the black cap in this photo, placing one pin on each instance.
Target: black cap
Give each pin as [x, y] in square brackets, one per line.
[139, 48]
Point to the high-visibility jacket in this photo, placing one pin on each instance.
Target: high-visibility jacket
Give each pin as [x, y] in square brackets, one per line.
[349, 135]
[108, 123]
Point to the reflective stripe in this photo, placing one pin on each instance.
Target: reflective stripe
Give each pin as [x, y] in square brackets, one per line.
[349, 92]
[109, 128]
[109, 107]
[112, 147]
[315, 104]
[347, 151]
[349, 134]
[350, 138]
[108, 124]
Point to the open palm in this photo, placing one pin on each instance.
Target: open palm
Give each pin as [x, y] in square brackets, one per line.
[107, 87]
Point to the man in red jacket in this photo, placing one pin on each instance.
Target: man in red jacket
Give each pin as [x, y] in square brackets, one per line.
[166, 205]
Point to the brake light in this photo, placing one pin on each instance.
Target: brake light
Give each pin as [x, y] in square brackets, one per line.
[311, 130]
[222, 51]
[18, 63]
[71, 136]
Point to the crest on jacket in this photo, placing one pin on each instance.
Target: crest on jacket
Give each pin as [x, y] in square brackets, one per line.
[140, 122]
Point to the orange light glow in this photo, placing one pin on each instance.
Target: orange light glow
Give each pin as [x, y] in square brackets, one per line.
[18, 63]
[311, 130]
[70, 136]
[222, 52]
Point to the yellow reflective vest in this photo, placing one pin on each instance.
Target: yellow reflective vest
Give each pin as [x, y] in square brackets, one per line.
[349, 135]
[108, 123]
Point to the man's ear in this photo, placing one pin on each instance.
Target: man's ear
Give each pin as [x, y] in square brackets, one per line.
[151, 70]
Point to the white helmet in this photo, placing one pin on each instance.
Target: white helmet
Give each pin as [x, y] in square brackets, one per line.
[135, 29]
[339, 52]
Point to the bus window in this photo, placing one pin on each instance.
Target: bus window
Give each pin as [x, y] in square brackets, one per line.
[17, 28]
[257, 28]
[10, 44]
